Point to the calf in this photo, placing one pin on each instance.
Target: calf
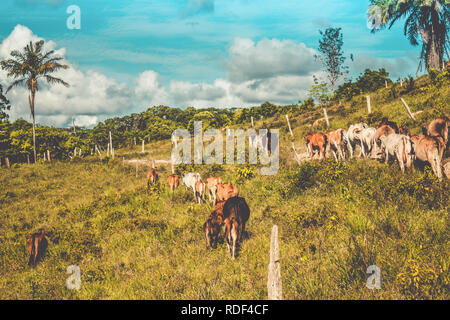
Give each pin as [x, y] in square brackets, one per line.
[426, 149]
[173, 181]
[212, 183]
[152, 177]
[200, 190]
[226, 191]
[352, 138]
[212, 228]
[336, 140]
[399, 146]
[367, 140]
[316, 142]
[236, 214]
[36, 245]
[190, 180]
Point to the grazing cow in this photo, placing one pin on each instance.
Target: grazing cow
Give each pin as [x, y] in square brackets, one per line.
[152, 177]
[236, 214]
[399, 146]
[212, 228]
[426, 149]
[190, 180]
[367, 140]
[173, 182]
[336, 140]
[200, 190]
[233, 231]
[440, 128]
[226, 191]
[352, 137]
[386, 122]
[212, 183]
[316, 142]
[36, 245]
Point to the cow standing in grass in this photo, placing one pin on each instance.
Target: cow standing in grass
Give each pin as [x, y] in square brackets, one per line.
[226, 191]
[200, 190]
[190, 180]
[399, 146]
[439, 128]
[173, 181]
[352, 136]
[336, 140]
[367, 140]
[153, 178]
[427, 149]
[316, 142]
[36, 245]
[236, 214]
[212, 183]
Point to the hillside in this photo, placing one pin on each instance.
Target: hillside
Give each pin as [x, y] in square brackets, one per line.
[335, 220]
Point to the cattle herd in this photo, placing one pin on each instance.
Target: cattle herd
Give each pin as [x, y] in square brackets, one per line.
[385, 141]
[232, 212]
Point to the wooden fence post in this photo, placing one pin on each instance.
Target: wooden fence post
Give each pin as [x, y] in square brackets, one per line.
[369, 106]
[48, 156]
[289, 125]
[407, 109]
[274, 285]
[326, 117]
[7, 163]
[253, 125]
[143, 146]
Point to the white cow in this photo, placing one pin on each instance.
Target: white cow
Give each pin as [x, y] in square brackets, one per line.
[351, 137]
[399, 146]
[190, 180]
[367, 140]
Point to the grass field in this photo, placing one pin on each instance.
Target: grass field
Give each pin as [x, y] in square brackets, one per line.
[335, 220]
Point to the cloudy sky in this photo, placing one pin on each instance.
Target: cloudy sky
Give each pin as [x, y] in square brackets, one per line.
[133, 54]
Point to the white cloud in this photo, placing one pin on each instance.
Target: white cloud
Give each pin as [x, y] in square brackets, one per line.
[269, 58]
[397, 67]
[91, 96]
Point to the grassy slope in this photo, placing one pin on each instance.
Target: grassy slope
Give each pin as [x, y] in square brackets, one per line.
[131, 244]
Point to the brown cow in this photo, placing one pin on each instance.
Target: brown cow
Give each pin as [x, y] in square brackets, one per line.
[316, 142]
[226, 191]
[152, 177]
[386, 122]
[200, 190]
[36, 245]
[337, 144]
[212, 228]
[212, 183]
[426, 149]
[236, 214]
[173, 181]
[440, 128]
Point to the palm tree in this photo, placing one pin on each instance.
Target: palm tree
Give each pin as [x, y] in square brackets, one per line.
[28, 67]
[428, 18]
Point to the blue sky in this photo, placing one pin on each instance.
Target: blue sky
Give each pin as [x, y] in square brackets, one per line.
[197, 52]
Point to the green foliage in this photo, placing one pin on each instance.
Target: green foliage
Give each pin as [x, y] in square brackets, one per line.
[369, 81]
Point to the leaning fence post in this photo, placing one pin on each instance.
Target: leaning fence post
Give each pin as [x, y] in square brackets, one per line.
[274, 286]
[326, 117]
[289, 125]
[369, 107]
[407, 109]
